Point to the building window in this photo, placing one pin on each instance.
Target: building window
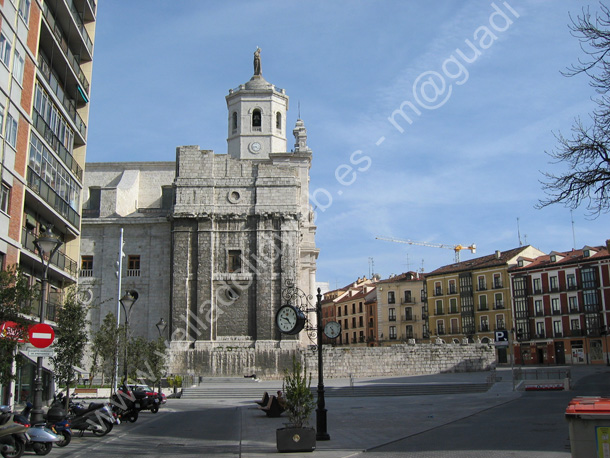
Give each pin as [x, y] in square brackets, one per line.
[409, 332]
[575, 326]
[391, 297]
[257, 120]
[573, 303]
[498, 301]
[353, 308]
[555, 307]
[361, 321]
[359, 307]
[408, 313]
[361, 336]
[278, 120]
[86, 266]
[537, 286]
[5, 50]
[483, 302]
[482, 283]
[540, 330]
[439, 308]
[11, 131]
[557, 329]
[438, 289]
[440, 328]
[234, 261]
[497, 281]
[18, 65]
[346, 324]
[393, 332]
[234, 121]
[500, 323]
[455, 328]
[24, 10]
[538, 309]
[345, 309]
[5, 194]
[484, 324]
[392, 314]
[452, 289]
[453, 305]
[354, 322]
[554, 284]
[571, 280]
[588, 278]
[133, 265]
[339, 311]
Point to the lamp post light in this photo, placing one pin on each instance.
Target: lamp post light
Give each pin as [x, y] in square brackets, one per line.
[46, 244]
[161, 325]
[127, 302]
[321, 431]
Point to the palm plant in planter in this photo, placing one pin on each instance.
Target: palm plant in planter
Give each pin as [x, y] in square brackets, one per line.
[296, 436]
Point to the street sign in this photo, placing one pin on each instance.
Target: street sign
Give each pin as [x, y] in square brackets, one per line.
[501, 338]
[11, 330]
[41, 335]
[41, 352]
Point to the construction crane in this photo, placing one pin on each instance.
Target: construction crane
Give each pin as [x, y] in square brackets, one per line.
[455, 248]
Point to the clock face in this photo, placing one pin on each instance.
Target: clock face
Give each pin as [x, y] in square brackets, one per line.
[255, 147]
[332, 330]
[289, 319]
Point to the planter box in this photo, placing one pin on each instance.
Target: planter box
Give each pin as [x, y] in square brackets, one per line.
[296, 439]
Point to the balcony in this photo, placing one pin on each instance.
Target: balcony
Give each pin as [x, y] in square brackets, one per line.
[497, 285]
[48, 194]
[392, 318]
[408, 317]
[575, 333]
[86, 273]
[539, 312]
[540, 335]
[441, 332]
[438, 291]
[572, 287]
[453, 310]
[452, 290]
[556, 311]
[483, 307]
[484, 328]
[574, 310]
[499, 305]
[392, 336]
[439, 312]
[59, 259]
[558, 335]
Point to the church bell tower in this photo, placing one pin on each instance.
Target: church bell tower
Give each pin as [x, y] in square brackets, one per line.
[257, 117]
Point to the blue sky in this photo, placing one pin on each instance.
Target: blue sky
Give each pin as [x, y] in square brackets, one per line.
[480, 83]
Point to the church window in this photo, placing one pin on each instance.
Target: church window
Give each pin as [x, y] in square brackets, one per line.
[278, 120]
[234, 261]
[86, 266]
[234, 122]
[257, 120]
[133, 265]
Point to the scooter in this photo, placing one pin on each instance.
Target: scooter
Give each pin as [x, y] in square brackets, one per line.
[13, 435]
[56, 421]
[41, 438]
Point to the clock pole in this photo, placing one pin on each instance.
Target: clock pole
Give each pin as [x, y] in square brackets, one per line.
[321, 434]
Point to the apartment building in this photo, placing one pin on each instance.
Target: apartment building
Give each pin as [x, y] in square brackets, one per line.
[354, 307]
[46, 54]
[472, 299]
[561, 304]
[401, 309]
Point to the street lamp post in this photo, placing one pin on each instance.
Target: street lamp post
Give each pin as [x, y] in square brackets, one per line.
[127, 302]
[321, 432]
[46, 244]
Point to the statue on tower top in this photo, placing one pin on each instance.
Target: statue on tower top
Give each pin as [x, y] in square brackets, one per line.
[257, 62]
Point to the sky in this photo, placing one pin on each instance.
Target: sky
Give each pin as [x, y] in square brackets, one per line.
[479, 84]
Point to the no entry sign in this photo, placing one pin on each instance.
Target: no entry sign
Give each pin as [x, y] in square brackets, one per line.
[41, 335]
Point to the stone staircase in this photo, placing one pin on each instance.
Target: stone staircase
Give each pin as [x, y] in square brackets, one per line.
[237, 389]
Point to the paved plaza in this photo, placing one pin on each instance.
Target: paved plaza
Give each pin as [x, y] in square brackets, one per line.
[498, 423]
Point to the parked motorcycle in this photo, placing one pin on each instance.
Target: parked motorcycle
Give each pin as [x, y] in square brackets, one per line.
[96, 417]
[13, 435]
[57, 422]
[125, 404]
[147, 397]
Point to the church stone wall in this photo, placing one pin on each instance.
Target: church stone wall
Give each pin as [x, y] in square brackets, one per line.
[268, 360]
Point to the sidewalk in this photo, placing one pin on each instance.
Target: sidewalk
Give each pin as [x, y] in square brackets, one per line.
[358, 424]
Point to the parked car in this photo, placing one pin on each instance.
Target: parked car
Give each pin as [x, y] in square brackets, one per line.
[147, 397]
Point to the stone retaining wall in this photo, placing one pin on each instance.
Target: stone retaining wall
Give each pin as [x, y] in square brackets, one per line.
[268, 360]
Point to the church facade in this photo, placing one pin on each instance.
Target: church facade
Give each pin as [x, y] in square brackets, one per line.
[211, 241]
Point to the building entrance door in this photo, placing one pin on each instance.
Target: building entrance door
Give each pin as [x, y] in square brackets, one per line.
[502, 358]
[560, 356]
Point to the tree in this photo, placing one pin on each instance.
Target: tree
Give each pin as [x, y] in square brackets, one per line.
[16, 296]
[107, 341]
[71, 339]
[586, 153]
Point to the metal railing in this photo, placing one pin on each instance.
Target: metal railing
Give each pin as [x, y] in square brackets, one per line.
[60, 260]
[48, 194]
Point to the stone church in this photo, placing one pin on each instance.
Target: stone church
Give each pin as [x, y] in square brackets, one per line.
[210, 241]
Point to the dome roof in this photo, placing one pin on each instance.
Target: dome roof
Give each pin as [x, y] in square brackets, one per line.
[258, 82]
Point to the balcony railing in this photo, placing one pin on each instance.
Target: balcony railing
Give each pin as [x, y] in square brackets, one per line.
[59, 259]
[484, 328]
[407, 317]
[438, 291]
[48, 194]
[86, 273]
[576, 333]
[499, 305]
[392, 318]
